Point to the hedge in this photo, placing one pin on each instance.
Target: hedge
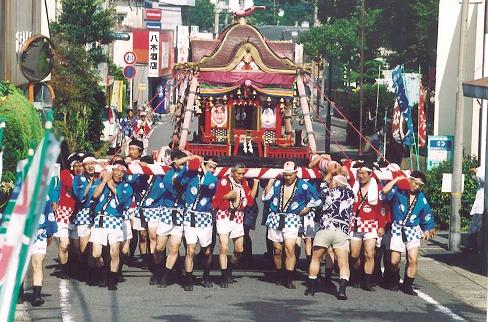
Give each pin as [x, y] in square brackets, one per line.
[441, 201]
[23, 128]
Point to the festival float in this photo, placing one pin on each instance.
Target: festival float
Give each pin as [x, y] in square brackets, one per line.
[244, 92]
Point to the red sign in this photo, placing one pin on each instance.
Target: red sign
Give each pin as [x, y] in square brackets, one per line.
[152, 14]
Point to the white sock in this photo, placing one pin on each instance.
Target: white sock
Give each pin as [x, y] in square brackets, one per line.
[345, 278]
[312, 277]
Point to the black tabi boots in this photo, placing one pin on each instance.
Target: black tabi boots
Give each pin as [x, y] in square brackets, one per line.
[341, 295]
[207, 283]
[311, 286]
[36, 296]
[224, 283]
[120, 276]
[112, 281]
[188, 285]
[157, 273]
[328, 279]
[163, 282]
[407, 286]
[366, 283]
[289, 279]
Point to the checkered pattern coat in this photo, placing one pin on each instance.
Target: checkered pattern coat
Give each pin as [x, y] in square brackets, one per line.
[411, 233]
[421, 213]
[224, 214]
[167, 216]
[174, 183]
[65, 197]
[292, 221]
[224, 187]
[197, 218]
[116, 204]
[306, 196]
[204, 191]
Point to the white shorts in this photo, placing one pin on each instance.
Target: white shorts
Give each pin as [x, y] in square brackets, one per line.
[102, 235]
[279, 236]
[126, 230]
[398, 245]
[63, 230]
[137, 224]
[39, 247]
[203, 235]
[226, 226]
[363, 236]
[164, 229]
[80, 231]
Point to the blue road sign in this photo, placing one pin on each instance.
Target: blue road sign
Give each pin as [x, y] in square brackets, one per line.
[129, 72]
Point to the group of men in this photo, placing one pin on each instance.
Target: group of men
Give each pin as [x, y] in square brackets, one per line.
[347, 216]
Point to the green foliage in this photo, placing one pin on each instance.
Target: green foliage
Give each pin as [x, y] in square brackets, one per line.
[22, 131]
[79, 99]
[369, 105]
[441, 201]
[5, 89]
[202, 15]
[85, 22]
[295, 12]
[339, 40]
[409, 30]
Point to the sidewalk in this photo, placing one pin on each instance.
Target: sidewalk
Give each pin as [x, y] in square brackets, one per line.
[457, 273]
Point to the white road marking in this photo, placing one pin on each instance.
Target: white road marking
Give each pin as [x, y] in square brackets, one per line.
[439, 307]
[64, 301]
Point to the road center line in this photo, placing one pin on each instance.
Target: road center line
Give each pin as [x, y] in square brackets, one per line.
[64, 301]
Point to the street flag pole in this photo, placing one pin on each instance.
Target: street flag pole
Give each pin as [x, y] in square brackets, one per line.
[15, 254]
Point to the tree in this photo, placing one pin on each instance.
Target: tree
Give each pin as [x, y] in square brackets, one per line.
[202, 15]
[86, 22]
[79, 99]
[294, 12]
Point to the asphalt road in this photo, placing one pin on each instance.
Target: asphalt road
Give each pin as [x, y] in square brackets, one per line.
[252, 298]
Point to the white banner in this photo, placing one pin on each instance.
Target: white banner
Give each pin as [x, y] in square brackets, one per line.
[153, 61]
[183, 43]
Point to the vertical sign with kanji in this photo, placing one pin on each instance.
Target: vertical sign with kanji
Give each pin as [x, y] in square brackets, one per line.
[153, 61]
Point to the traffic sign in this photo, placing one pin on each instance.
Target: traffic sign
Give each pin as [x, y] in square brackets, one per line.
[129, 71]
[130, 57]
[439, 149]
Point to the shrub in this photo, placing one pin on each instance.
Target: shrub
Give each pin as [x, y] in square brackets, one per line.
[441, 201]
[23, 129]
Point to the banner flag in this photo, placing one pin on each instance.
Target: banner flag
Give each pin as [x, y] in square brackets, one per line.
[422, 122]
[22, 226]
[405, 121]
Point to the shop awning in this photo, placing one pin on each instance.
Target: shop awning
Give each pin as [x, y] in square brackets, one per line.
[477, 88]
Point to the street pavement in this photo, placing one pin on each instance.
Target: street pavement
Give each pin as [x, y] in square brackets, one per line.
[253, 298]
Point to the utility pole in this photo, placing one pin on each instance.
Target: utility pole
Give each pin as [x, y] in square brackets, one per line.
[329, 94]
[361, 81]
[457, 185]
[484, 223]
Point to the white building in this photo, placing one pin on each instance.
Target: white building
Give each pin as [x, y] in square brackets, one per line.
[476, 66]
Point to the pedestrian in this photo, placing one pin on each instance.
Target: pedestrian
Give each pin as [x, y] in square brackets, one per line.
[198, 221]
[142, 129]
[45, 231]
[64, 207]
[335, 220]
[83, 187]
[114, 196]
[368, 224]
[232, 196]
[170, 227]
[475, 237]
[291, 198]
[138, 232]
[412, 220]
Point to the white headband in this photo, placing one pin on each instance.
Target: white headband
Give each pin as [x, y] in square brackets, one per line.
[89, 159]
